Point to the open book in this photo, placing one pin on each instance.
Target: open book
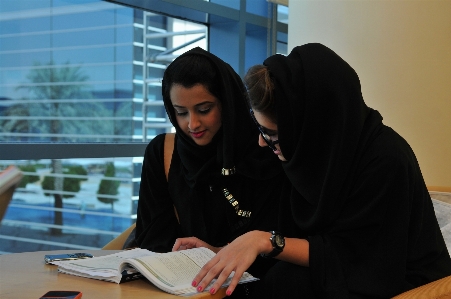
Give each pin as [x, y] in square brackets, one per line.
[172, 272]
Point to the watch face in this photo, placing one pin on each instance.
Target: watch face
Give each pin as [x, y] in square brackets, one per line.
[280, 241]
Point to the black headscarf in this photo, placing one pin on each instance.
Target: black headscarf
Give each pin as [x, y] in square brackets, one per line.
[235, 144]
[357, 193]
[234, 147]
[322, 120]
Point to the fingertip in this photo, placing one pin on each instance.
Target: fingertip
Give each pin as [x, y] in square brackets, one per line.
[229, 292]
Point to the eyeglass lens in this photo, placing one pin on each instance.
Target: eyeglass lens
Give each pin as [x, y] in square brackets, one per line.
[268, 140]
[265, 136]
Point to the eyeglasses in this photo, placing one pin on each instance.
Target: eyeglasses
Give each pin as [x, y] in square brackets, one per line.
[271, 143]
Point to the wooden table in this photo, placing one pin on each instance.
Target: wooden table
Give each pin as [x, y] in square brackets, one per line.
[25, 275]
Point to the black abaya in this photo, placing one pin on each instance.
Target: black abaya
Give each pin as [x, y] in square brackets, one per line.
[195, 184]
[358, 194]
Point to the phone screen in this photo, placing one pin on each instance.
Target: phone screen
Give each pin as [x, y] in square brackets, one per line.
[49, 258]
[62, 295]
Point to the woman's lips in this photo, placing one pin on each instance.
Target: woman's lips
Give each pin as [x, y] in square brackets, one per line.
[197, 134]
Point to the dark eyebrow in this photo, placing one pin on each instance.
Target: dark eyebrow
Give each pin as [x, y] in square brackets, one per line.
[197, 105]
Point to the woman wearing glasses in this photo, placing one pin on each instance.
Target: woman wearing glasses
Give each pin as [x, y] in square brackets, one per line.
[359, 222]
[220, 182]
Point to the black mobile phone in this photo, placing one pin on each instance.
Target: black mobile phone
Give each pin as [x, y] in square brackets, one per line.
[49, 258]
[62, 295]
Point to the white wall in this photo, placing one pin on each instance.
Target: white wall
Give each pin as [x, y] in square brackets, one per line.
[402, 53]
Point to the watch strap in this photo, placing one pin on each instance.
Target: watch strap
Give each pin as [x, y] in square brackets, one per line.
[276, 247]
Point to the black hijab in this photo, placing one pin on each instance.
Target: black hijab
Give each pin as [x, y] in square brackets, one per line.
[235, 145]
[234, 148]
[322, 120]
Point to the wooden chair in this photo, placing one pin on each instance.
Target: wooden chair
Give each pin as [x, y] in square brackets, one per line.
[439, 188]
[440, 288]
[9, 180]
[119, 242]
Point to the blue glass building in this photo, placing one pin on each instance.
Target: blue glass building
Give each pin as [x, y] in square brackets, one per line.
[80, 87]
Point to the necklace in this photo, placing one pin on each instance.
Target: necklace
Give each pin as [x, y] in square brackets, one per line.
[235, 204]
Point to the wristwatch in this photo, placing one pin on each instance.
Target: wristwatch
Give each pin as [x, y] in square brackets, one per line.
[277, 242]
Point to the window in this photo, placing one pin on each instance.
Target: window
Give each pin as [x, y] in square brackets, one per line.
[79, 101]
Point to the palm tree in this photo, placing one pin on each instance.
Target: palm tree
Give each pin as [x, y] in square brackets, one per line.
[61, 85]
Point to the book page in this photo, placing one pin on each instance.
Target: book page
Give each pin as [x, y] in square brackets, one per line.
[174, 269]
[103, 266]
[173, 272]
[200, 256]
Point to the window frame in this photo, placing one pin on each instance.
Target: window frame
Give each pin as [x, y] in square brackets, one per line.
[212, 14]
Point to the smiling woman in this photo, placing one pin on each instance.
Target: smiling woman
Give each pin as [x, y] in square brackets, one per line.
[221, 183]
[197, 111]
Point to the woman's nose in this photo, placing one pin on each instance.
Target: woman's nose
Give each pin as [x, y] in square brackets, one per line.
[194, 122]
[261, 141]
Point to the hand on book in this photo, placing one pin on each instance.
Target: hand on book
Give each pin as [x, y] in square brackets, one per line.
[172, 272]
[192, 242]
[238, 256]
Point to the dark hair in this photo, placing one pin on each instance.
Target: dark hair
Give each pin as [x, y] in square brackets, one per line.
[191, 70]
[260, 89]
